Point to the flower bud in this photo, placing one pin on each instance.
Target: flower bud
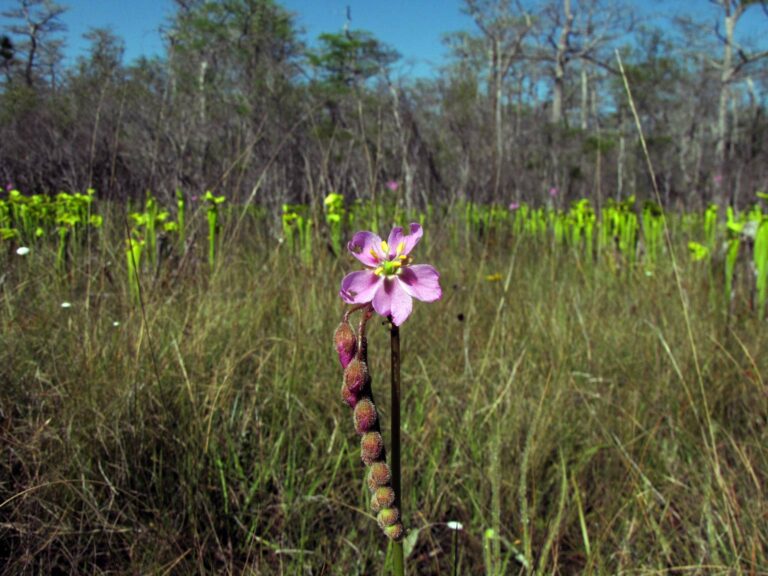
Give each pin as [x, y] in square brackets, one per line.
[388, 517]
[371, 447]
[365, 416]
[346, 343]
[384, 497]
[378, 475]
[356, 376]
[349, 397]
[375, 506]
[395, 531]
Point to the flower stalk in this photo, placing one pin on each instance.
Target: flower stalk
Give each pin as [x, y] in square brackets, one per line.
[394, 332]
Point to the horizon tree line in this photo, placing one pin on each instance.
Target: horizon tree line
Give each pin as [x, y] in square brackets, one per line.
[530, 98]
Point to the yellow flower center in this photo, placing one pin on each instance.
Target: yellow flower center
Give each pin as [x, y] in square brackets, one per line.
[386, 266]
[394, 266]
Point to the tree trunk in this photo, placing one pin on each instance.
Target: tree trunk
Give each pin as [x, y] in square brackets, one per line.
[498, 80]
[30, 59]
[584, 97]
[201, 91]
[403, 141]
[725, 80]
[560, 60]
[621, 157]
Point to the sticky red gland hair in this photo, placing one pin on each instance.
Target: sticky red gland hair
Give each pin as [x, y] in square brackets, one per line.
[365, 416]
[379, 475]
[372, 446]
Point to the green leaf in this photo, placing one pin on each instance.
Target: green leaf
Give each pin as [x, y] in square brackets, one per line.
[409, 542]
[698, 251]
[8, 233]
[334, 199]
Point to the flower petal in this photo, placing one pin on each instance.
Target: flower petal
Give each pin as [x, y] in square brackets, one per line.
[409, 240]
[421, 281]
[361, 245]
[392, 300]
[360, 287]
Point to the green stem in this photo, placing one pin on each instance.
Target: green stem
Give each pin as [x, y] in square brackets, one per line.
[212, 220]
[455, 552]
[398, 568]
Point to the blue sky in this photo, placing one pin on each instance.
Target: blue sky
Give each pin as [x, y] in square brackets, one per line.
[413, 27]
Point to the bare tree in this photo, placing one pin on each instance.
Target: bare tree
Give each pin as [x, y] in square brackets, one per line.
[40, 22]
[735, 59]
[579, 30]
[505, 26]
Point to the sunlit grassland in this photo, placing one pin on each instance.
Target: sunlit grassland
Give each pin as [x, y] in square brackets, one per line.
[570, 406]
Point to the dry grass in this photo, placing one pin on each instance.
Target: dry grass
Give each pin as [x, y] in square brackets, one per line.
[560, 407]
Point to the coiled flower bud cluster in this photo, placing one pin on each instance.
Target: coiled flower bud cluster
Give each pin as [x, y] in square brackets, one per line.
[356, 393]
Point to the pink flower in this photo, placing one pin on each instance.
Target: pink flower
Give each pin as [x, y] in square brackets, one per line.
[392, 185]
[553, 192]
[718, 178]
[391, 282]
[514, 206]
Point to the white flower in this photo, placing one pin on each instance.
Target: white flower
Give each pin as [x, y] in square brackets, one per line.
[453, 525]
[22, 250]
[66, 304]
[116, 323]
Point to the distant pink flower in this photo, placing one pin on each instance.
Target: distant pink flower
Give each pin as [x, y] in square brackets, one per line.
[514, 206]
[393, 186]
[391, 282]
[193, 198]
[553, 192]
[718, 178]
